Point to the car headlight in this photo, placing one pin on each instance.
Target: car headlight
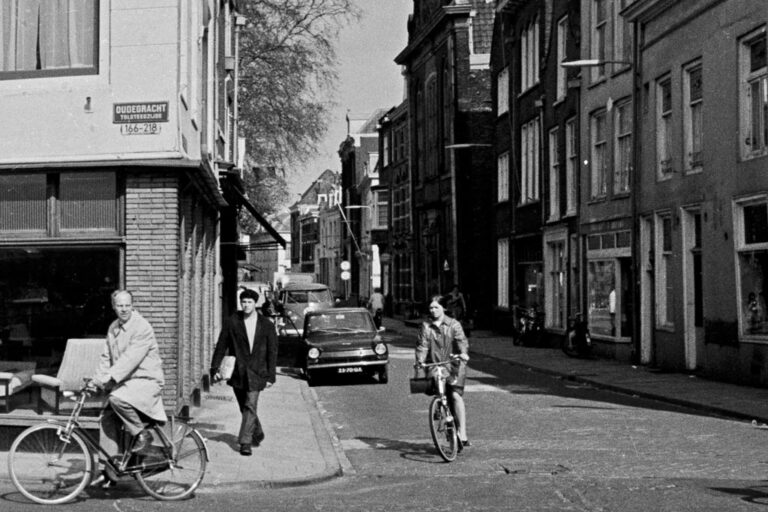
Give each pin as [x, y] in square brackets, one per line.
[313, 353]
[380, 349]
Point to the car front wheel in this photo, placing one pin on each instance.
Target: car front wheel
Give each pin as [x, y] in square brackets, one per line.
[383, 375]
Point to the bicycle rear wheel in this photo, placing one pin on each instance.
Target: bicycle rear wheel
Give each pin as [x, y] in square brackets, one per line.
[443, 429]
[178, 478]
[46, 469]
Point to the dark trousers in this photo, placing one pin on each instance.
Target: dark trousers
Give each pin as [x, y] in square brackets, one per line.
[250, 426]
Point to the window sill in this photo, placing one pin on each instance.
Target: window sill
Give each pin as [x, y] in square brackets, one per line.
[611, 339]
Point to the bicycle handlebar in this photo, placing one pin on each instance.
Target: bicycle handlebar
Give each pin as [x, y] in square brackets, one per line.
[454, 357]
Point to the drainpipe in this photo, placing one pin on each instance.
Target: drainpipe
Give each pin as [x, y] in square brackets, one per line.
[637, 267]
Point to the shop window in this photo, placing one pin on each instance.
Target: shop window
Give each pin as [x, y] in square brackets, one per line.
[601, 286]
[40, 38]
[83, 204]
[752, 246]
[609, 275]
[48, 295]
[556, 285]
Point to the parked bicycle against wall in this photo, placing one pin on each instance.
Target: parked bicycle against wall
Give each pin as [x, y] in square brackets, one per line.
[577, 341]
[53, 462]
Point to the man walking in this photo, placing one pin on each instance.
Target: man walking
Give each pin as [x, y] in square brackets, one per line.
[252, 339]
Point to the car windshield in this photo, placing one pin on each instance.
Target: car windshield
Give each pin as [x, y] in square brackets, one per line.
[333, 322]
[307, 296]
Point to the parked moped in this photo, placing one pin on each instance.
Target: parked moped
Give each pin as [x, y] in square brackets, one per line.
[530, 327]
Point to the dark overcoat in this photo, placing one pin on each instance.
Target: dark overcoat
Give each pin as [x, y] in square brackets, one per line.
[253, 369]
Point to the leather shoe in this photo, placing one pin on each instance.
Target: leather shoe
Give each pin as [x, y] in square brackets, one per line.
[142, 441]
[258, 438]
[245, 450]
[103, 481]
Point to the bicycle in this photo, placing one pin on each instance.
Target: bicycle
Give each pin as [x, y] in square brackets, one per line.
[442, 421]
[53, 462]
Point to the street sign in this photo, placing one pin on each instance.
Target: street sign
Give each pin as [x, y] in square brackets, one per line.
[345, 265]
[345, 276]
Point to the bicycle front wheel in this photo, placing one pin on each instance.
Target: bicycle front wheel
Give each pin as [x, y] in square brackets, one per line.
[175, 479]
[46, 469]
[443, 428]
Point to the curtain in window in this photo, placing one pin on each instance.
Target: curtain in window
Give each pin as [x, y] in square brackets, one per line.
[46, 34]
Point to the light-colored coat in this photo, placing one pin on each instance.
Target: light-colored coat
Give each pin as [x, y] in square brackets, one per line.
[131, 358]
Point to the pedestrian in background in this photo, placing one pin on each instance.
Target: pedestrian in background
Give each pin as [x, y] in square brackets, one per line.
[251, 338]
[376, 306]
[457, 306]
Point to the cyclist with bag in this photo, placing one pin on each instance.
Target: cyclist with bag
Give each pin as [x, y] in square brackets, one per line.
[440, 338]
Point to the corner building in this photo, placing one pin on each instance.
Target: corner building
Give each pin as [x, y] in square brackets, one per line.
[114, 136]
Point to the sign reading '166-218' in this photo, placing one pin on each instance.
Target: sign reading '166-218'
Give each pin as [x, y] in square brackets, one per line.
[140, 118]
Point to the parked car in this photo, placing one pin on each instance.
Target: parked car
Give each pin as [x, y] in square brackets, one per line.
[295, 300]
[344, 341]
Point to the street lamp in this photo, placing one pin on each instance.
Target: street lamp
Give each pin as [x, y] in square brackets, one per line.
[591, 63]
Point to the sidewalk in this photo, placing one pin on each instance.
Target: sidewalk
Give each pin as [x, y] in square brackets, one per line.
[731, 400]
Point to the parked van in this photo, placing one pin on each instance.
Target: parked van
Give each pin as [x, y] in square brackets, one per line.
[293, 302]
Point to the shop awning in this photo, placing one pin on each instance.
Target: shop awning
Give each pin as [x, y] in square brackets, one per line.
[259, 218]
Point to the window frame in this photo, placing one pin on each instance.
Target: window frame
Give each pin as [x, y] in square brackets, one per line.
[741, 247]
[747, 78]
[691, 121]
[556, 280]
[571, 166]
[598, 43]
[598, 146]
[54, 222]
[502, 177]
[664, 120]
[530, 135]
[663, 271]
[64, 72]
[502, 273]
[529, 55]
[622, 141]
[562, 45]
[502, 91]
[554, 174]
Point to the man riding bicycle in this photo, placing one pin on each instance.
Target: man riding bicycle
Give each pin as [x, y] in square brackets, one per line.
[131, 371]
[440, 338]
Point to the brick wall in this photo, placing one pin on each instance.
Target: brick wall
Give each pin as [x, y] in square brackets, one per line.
[152, 262]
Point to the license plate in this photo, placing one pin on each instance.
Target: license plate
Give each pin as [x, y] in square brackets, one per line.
[351, 369]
